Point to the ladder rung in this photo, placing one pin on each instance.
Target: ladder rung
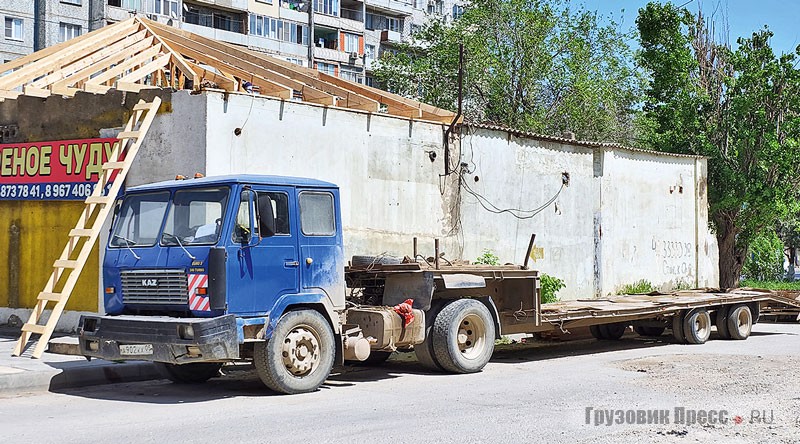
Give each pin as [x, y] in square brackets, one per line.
[65, 263]
[142, 106]
[113, 165]
[102, 200]
[34, 328]
[80, 232]
[45, 296]
[128, 135]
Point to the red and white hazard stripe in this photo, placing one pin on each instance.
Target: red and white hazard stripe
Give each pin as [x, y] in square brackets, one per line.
[198, 302]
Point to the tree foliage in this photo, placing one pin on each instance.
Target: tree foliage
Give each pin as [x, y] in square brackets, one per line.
[531, 65]
[738, 107]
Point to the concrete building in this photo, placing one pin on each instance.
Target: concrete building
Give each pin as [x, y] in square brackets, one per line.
[32, 25]
[604, 215]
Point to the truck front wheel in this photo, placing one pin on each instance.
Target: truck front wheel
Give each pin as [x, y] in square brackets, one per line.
[299, 356]
[195, 373]
[463, 336]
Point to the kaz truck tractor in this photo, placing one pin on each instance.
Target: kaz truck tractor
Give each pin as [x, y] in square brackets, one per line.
[206, 271]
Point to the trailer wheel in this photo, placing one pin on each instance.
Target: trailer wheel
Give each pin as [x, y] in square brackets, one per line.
[299, 356]
[721, 319]
[463, 336]
[740, 322]
[194, 373]
[697, 326]
[595, 331]
[677, 327]
[613, 331]
[424, 351]
[654, 332]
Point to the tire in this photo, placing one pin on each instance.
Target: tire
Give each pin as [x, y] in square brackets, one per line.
[697, 326]
[424, 351]
[195, 373]
[595, 331]
[740, 322]
[463, 336]
[613, 332]
[650, 332]
[299, 356]
[677, 327]
[722, 322]
[362, 261]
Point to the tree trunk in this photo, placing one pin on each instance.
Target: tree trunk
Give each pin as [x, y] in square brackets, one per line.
[731, 255]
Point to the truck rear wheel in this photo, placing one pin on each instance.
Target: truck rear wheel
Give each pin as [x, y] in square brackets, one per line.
[424, 351]
[697, 326]
[463, 336]
[299, 356]
[677, 327]
[721, 319]
[740, 321]
[194, 373]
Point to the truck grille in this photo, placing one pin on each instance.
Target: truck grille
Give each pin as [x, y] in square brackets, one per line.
[154, 287]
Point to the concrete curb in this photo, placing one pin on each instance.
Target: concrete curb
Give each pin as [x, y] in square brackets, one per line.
[20, 381]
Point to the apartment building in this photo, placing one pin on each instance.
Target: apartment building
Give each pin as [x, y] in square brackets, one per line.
[342, 38]
[30, 25]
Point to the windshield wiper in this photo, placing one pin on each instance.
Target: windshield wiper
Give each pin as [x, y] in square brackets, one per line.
[128, 244]
[178, 240]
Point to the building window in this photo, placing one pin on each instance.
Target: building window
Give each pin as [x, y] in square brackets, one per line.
[296, 61]
[379, 22]
[166, 7]
[327, 68]
[351, 75]
[68, 31]
[72, 2]
[278, 29]
[350, 43]
[369, 81]
[327, 7]
[369, 52]
[13, 28]
[458, 11]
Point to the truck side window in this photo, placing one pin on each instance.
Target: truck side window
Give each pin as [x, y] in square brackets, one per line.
[242, 227]
[316, 214]
[280, 208]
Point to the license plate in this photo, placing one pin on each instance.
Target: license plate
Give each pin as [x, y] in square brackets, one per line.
[136, 349]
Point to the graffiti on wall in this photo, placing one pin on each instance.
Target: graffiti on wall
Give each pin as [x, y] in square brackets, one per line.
[676, 257]
[56, 170]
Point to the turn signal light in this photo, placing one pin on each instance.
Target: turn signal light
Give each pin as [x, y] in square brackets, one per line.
[202, 291]
[110, 290]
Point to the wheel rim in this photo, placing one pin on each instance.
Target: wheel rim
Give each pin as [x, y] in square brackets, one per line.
[743, 321]
[301, 351]
[472, 336]
[702, 325]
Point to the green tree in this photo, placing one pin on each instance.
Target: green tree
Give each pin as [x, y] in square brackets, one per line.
[531, 65]
[738, 107]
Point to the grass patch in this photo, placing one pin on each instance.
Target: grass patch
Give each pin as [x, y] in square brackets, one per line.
[639, 287]
[772, 285]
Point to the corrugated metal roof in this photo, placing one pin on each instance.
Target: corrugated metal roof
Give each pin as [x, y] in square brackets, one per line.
[585, 143]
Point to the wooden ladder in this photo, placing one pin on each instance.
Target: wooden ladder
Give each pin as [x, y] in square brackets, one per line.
[67, 268]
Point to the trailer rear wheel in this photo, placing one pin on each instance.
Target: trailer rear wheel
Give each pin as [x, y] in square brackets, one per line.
[677, 327]
[194, 373]
[613, 331]
[424, 351]
[595, 331]
[697, 326]
[740, 322]
[642, 330]
[299, 356]
[722, 322]
[463, 336]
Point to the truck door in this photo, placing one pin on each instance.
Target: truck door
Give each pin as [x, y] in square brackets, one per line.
[265, 269]
[321, 253]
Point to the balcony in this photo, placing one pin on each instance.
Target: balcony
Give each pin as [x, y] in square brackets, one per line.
[216, 34]
[392, 7]
[239, 5]
[334, 55]
[389, 36]
[342, 23]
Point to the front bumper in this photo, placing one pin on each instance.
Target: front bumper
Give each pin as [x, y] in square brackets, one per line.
[159, 339]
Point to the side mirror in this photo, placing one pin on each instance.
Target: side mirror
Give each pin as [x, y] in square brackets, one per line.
[266, 217]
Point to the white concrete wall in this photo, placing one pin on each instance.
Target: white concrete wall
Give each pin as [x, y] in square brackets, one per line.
[615, 223]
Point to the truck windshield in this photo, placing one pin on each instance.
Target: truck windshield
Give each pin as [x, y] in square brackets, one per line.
[140, 220]
[195, 217]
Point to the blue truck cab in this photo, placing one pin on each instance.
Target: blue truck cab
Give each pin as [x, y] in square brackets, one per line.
[195, 268]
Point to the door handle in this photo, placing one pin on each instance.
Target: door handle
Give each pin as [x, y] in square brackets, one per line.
[291, 264]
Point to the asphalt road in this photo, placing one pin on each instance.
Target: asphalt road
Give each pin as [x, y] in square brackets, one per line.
[534, 394]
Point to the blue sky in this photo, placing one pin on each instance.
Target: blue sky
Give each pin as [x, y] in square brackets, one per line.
[744, 16]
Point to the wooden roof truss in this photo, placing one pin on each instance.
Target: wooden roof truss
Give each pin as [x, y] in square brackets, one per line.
[138, 53]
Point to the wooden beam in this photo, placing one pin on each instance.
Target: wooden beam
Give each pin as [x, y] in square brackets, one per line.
[91, 59]
[103, 36]
[178, 59]
[42, 53]
[9, 94]
[220, 79]
[100, 65]
[249, 61]
[142, 72]
[95, 84]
